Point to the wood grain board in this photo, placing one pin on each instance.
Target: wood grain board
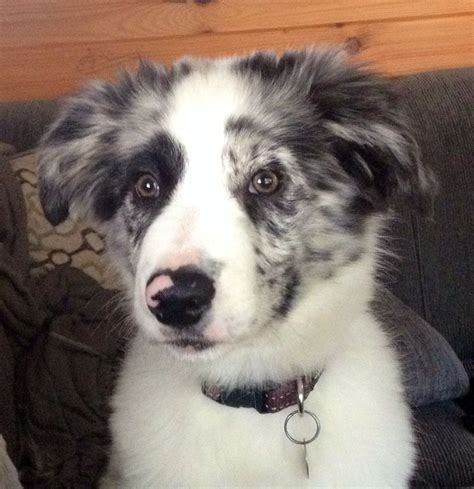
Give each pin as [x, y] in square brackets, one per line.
[50, 47]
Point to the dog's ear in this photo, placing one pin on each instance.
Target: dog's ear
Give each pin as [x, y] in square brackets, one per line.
[386, 167]
[72, 155]
[77, 157]
[369, 132]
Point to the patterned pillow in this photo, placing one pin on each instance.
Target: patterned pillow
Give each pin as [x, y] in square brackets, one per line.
[71, 243]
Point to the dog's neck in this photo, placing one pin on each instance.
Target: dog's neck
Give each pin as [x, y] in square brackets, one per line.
[267, 399]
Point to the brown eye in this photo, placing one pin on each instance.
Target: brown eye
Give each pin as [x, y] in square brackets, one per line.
[265, 182]
[147, 187]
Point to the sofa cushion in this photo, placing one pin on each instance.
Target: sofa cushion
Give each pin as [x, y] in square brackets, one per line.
[432, 372]
[445, 447]
[435, 276]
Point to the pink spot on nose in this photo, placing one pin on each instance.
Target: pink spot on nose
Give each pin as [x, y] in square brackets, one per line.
[159, 283]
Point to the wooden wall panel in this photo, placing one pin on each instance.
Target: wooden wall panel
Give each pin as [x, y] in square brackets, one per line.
[33, 22]
[50, 47]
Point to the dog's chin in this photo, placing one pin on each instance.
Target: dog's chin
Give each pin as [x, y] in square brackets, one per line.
[194, 349]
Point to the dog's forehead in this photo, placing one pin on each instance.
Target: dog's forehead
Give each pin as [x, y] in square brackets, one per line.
[199, 108]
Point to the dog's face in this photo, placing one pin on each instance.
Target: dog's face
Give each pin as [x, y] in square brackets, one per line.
[227, 188]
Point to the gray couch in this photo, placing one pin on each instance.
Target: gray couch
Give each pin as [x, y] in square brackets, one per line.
[433, 281]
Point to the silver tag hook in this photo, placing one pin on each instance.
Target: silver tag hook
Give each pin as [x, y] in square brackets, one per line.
[300, 395]
[301, 412]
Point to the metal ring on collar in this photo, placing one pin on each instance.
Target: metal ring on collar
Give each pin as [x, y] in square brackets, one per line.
[304, 441]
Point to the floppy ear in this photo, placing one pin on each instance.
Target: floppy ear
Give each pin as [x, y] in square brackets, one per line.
[370, 135]
[60, 150]
[79, 167]
[73, 155]
[386, 168]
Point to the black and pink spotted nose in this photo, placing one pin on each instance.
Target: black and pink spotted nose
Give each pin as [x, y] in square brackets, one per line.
[179, 298]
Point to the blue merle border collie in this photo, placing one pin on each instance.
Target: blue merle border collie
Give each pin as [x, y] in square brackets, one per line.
[243, 201]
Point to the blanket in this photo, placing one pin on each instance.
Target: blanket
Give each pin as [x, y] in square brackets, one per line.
[60, 350]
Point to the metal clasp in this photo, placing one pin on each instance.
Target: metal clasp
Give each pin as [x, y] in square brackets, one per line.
[301, 412]
[300, 395]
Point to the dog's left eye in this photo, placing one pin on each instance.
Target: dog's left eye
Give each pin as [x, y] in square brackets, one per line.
[147, 186]
[265, 182]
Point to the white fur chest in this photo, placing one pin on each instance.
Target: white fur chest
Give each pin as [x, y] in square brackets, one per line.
[174, 436]
[168, 434]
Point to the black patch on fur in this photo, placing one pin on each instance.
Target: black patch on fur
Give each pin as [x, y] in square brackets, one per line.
[109, 187]
[289, 293]
[243, 124]
[320, 255]
[264, 65]
[105, 206]
[290, 60]
[109, 138]
[268, 214]
[285, 207]
[354, 255]
[355, 214]
[346, 93]
[232, 157]
[328, 274]
[114, 178]
[323, 183]
[163, 157]
[181, 70]
[359, 207]
[273, 227]
[153, 76]
[118, 98]
[268, 67]
[370, 170]
[351, 216]
[55, 206]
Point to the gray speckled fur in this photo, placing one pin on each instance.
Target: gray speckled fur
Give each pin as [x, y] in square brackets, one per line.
[332, 128]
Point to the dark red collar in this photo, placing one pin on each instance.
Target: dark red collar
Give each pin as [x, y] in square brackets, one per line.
[270, 399]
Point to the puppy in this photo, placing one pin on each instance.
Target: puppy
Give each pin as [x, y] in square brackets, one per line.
[243, 199]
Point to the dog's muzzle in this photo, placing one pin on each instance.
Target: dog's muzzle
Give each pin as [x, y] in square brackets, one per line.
[179, 298]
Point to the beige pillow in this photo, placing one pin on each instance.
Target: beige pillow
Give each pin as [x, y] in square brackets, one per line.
[72, 243]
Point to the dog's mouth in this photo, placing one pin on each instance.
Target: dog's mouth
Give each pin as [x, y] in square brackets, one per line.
[191, 344]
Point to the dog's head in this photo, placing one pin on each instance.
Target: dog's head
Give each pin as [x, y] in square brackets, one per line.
[228, 187]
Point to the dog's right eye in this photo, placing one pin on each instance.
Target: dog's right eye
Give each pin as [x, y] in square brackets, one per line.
[265, 182]
[147, 187]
